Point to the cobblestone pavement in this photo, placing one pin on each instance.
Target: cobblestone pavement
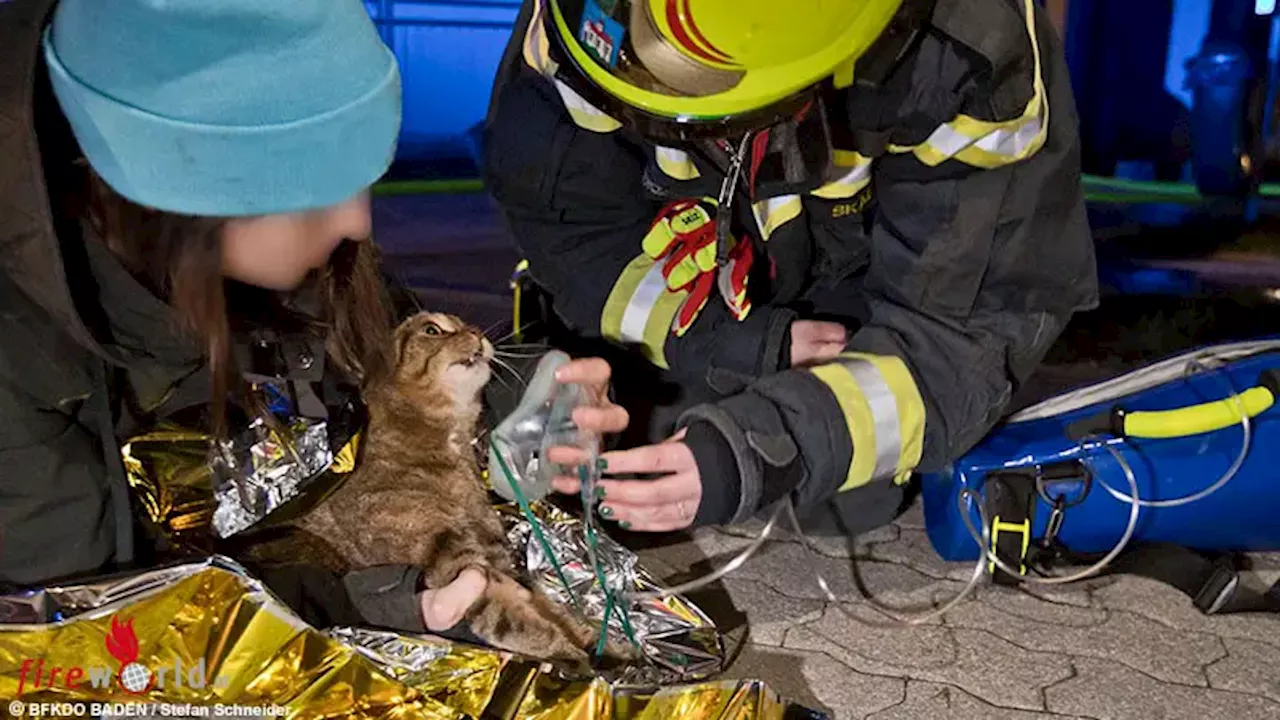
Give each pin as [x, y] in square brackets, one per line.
[1115, 649]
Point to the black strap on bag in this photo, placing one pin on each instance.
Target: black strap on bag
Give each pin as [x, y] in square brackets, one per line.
[1218, 583]
[1010, 505]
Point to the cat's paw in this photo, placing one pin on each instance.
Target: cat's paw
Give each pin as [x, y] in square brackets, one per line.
[445, 607]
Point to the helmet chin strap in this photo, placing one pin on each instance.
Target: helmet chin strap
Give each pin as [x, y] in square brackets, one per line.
[724, 203]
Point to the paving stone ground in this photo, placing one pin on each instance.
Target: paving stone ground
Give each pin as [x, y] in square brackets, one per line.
[1123, 648]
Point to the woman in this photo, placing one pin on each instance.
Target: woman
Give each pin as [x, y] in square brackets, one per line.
[184, 204]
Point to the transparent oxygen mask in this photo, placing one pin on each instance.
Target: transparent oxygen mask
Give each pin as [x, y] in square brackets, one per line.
[542, 420]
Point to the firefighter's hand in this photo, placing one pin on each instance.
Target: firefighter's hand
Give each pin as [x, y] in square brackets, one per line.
[814, 342]
[667, 503]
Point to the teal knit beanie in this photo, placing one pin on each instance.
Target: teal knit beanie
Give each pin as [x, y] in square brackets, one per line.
[227, 107]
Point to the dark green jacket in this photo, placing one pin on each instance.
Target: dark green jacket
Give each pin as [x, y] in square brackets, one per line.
[949, 235]
[88, 357]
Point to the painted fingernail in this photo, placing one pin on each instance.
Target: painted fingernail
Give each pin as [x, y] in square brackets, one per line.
[602, 464]
[624, 525]
[606, 511]
[600, 492]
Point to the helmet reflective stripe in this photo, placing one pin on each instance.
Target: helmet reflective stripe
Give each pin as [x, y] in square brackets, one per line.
[681, 28]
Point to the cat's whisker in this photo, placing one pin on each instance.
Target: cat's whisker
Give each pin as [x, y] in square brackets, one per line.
[524, 346]
[498, 378]
[514, 331]
[413, 294]
[507, 366]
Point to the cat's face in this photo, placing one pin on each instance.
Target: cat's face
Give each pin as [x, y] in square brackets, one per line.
[437, 353]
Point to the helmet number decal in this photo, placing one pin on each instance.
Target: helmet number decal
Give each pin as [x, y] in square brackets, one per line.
[600, 34]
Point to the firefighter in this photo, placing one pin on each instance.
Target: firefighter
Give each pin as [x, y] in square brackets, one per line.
[845, 233]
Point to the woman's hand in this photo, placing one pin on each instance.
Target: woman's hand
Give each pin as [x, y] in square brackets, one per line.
[667, 503]
[600, 415]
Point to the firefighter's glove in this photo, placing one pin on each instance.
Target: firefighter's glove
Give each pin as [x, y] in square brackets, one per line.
[684, 238]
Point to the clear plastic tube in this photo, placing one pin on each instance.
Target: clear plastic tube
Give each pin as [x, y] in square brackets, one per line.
[713, 576]
[895, 614]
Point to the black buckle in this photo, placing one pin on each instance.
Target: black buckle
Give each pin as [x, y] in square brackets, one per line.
[1218, 590]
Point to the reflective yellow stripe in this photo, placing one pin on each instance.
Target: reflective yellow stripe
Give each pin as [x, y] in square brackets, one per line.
[584, 114]
[884, 414]
[775, 212]
[986, 144]
[858, 419]
[537, 55]
[858, 177]
[909, 406]
[641, 308]
[676, 163]
[345, 459]
[537, 48]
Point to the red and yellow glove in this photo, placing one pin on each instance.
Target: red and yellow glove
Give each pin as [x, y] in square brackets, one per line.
[684, 237]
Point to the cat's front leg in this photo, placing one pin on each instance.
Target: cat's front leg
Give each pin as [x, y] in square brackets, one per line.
[443, 608]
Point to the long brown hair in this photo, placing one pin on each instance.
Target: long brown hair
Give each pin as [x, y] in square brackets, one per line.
[179, 258]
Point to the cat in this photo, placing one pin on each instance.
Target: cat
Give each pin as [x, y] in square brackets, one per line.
[417, 498]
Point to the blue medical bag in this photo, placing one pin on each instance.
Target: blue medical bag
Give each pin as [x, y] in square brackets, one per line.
[1177, 425]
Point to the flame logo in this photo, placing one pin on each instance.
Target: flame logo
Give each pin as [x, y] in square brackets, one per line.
[122, 641]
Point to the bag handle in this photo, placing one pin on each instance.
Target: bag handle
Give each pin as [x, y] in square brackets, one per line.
[1187, 421]
[1197, 419]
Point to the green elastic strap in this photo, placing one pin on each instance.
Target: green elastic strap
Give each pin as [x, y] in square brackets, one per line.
[593, 545]
[537, 527]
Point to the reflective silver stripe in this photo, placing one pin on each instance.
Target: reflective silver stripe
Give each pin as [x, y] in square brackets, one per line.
[584, 114]
[675, 163]
[884, 408]
[847, 186]
[775, 212]
[948, 141]
[636, 317]
[1011, 143]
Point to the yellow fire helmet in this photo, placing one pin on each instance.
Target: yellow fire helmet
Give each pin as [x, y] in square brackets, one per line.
[710, 67]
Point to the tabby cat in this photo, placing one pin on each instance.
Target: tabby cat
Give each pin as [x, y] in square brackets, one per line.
[417, 497]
